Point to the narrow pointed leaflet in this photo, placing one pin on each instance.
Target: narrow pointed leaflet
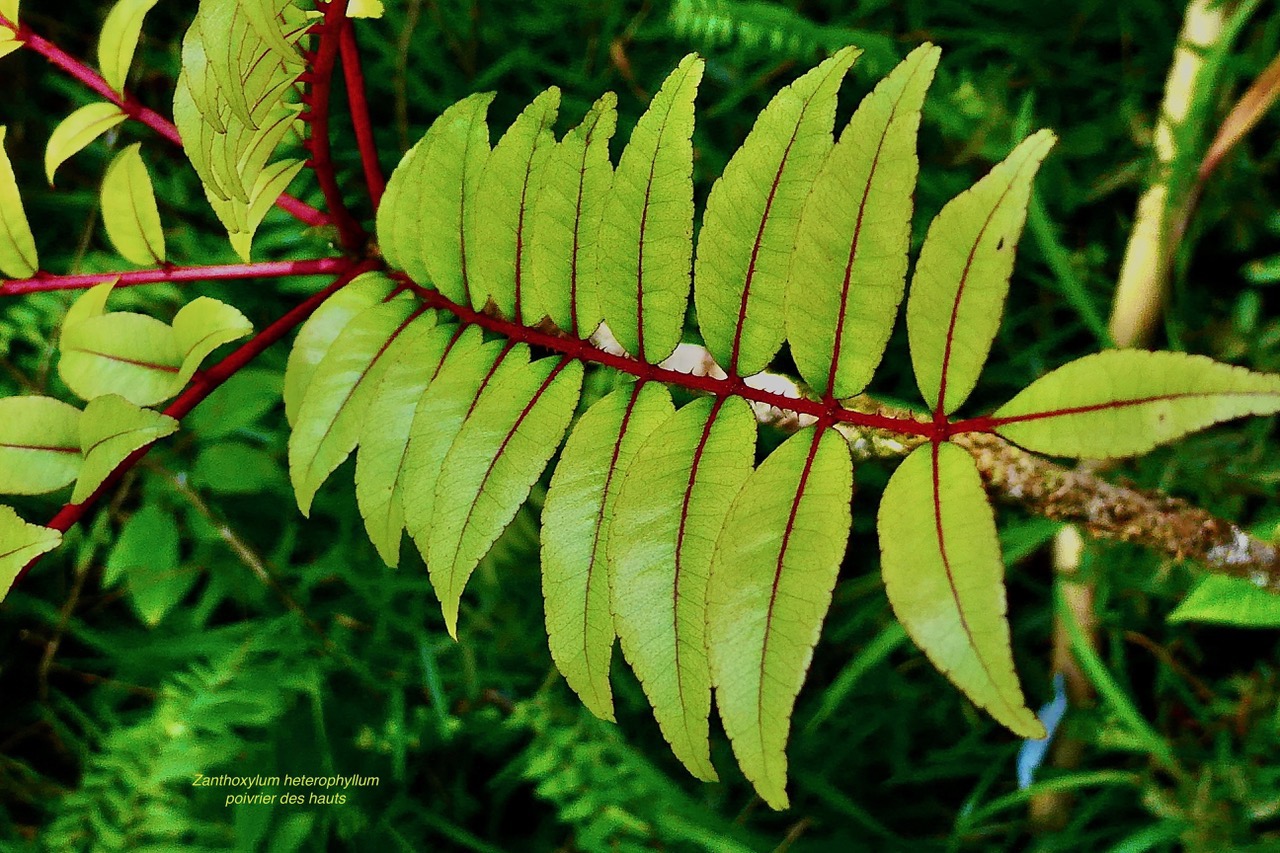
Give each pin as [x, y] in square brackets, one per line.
[502, 449]
[18, 258]
[20, 543]
[576, 177]
[39, 445]
[497, 224]
[110, 429]
[749, 226]
[962, 277]
[119, 40]
[576, 525]
[672, 504]
[775, 565]
[129, 209]
[646, 233]
[1125, 402]
[849, 267]
[76, 131]
[421, 220]
[333, 411]
[942, 569]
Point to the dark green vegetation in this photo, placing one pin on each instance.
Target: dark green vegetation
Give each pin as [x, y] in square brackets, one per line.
[478, 743]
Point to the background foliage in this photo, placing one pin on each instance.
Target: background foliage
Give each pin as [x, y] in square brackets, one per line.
[198, 624]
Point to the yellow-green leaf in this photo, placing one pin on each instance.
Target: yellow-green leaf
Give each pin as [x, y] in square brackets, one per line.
[39, 445]
[576, 521]
[576, 178]
[8, 42]
[942, 569]
[9, 10]
[119, 40]
[508, 439]
[775, 565]
[646, 233]
[76, 131]
[129, 209]
[849, 269]
[20, 543]
[1125, 402]
[749, 226]
[365, 9]
[111, 428]
[962, 276]
[671, 506]
[497, 224]
[18, 258]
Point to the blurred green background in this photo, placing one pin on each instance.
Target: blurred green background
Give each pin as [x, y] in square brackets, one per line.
[198, 624]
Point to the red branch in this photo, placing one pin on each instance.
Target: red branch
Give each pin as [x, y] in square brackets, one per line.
[44, 282]
[353, 74]
[84, 74]
[204, 384]
[733, 386]
[317, 97]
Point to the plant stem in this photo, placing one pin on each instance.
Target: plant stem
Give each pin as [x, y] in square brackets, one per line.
[204, 384]
[268, 269]
[81, 72]
[353, 74]
[323, 62]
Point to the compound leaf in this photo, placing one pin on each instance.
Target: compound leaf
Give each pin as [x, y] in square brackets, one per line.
[501, 450]
[849, 267]
[775, 565]
[119, 40]
[332, 414]
[576, 177]
[18, 258]
[646, 234]
[497, 224]
[129, 209]
[39, 445]
[962, 276]
[1125, 402]
[20, 543]
[749, 225]
[942, 569]
[74, 133]
[576, 522]
[671, 506]
[111, 428]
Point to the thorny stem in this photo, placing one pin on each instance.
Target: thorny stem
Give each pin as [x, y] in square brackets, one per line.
[353, 74]
[76, 69]
[268, 269]
[202, 386]
[319, 92]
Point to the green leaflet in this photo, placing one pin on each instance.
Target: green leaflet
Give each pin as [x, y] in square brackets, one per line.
[129, 209]
[749, 225]
[76, 131]
[671, 506]
[775, 565]
[420, 222]
[945, 579]
[111, 428]
[1229, 601]
[414, 359]
[120, 33]
[320, 331]
[502, 449]
[138, 357]
[962, 276]
[468, 369]
[496, 224]
[646, 233]
[576, 521]
[1125, 402]
[20, 543]
[332, 414]
[146, 555]
[849, 268]
[576, 177]
[18, 258]
[39, 445]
